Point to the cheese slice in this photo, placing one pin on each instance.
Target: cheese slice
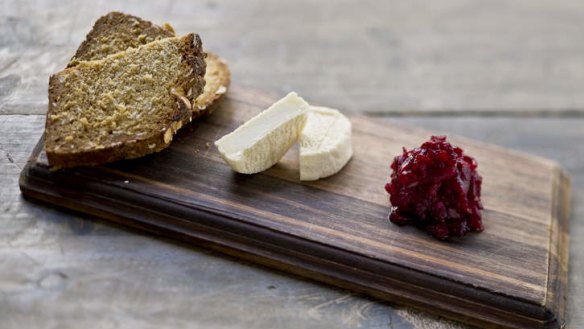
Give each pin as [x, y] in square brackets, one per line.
[262, 141]
[325, 143]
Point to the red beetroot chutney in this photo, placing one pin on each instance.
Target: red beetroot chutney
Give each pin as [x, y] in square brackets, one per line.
[436, 187]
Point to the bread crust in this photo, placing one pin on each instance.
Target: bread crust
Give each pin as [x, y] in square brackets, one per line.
[217, 80]
[192, 56]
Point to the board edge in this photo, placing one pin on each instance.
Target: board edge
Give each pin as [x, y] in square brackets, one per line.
[557, 278]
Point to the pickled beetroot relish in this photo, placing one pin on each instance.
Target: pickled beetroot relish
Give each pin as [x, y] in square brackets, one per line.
[436, 187]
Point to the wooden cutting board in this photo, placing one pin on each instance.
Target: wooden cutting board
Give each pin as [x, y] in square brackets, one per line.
[336, 230]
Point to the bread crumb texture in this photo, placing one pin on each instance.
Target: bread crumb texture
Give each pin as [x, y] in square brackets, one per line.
[125, 97]
[117, 32]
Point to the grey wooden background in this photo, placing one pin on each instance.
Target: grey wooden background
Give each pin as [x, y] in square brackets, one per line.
[501, 71]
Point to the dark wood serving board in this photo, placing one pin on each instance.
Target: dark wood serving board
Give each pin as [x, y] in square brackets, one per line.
[335, 230]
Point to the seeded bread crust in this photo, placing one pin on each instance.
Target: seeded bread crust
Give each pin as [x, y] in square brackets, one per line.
[64, 124]
[117, 32]
[217, 79]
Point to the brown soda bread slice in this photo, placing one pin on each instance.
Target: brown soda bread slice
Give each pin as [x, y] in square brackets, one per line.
[123, 106]
[117, 31]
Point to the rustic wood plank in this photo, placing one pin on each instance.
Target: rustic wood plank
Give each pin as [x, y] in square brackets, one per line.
[512, 275]
[64, 270]
[453, 56]
[41, 233]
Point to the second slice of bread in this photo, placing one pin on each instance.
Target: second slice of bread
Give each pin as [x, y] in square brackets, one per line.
[115, 32]
[123, 106]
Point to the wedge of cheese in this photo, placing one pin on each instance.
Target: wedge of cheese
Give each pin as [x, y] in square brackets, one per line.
[325, 143]
[262, 141]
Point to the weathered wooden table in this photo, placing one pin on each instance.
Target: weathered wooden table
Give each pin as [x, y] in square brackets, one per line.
[506, 72]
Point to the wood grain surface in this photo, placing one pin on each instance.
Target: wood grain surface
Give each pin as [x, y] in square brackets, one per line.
[491, 61]
[48, 277]
[452, 56]
[336, 230]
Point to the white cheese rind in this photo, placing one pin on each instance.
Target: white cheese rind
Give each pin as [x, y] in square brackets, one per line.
[262, 141]
[325, 143]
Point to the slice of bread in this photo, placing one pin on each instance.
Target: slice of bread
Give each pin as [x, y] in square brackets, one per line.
[217, 79]
[124, 106]
[117, 31]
